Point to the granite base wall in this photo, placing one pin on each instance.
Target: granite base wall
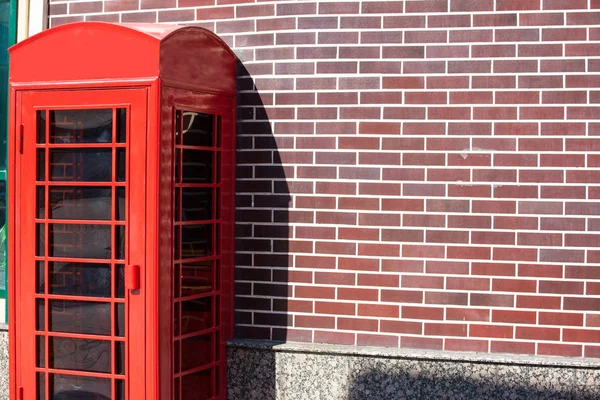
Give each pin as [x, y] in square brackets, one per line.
[263, 371]
[3, 362]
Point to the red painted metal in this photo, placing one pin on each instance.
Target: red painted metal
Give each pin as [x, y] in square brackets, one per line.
[150, 76]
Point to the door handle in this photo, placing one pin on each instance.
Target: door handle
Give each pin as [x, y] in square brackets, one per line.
[132, 277]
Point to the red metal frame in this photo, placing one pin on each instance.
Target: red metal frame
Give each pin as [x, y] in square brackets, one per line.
[141, 75]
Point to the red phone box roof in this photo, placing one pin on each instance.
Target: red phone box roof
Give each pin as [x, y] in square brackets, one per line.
[184, 56]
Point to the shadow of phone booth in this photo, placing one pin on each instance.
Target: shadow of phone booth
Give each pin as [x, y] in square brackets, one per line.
[121, 197]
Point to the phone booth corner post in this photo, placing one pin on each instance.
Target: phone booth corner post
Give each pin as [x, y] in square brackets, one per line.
[121, 224]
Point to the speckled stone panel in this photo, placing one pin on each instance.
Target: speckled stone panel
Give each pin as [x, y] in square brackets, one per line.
[3, 364]
[292, 374]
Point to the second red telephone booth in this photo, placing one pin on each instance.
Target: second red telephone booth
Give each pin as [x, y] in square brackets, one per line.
[121, 196]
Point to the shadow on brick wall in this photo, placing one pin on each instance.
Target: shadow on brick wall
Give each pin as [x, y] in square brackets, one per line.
[262, 215]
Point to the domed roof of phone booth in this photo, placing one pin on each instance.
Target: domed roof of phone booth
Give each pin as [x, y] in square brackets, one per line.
[91, 51]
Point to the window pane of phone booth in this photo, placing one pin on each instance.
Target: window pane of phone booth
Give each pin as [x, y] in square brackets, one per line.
[197, 386]
[84, 203]
[79, 354]
[67, 387]
[86, 317]
[79, 279]
[197, 129]
[81, 165]
[81, 126]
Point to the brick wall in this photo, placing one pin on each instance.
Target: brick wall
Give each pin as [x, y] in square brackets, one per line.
[441, 159]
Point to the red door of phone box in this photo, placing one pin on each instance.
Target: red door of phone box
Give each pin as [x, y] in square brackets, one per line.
[121, 213]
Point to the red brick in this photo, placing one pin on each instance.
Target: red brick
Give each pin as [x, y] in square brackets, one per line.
[402, 235]
[415, 328]
[567, 319]
[422, 251]
[539, 302]
[565, 4]
[582, 18]
[358, 234]
[466, 345]
[426, 6]
[358, 264]
[471, 5]
[334, 337]
[376, 340]
[428, 313]
[511, 5]
[447, 298]
[567, 65]
[468, 314]
[449, 21]
[583, 304]
[397, 265]
[561, 287]
[378, 310]
[540, 270]
[357, 294]
[421, 343]
[539, 239]
[517, 35]
[493, 51]
[491, 113]
[514, 317]
[385, 7]
[397, 21]
[556, 255]
[357, 324]
[466, 252]
[468, 221]
[492, 300]
[315, 262]
[495, 19]
[498, 269]
[314, 292]
[541, 19]
[512, 347]
[486, 237]
[446, 267]
[336, 308]
[416, 281]
[537, 333]
[335, 278]
[469, 191]
[443, 329]
[506, 66]
[309, 321]
[402, 296]
[493, 206]
[553, 349]
[455, 283]
[447, 237]
[491, 331]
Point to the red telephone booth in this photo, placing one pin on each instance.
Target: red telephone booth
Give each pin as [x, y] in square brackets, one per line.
[122, 155]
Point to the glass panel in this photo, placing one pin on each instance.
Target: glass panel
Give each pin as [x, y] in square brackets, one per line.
[197, 129]
[196, 204]
[176, 354]
[218, 169]
[197, 386]
[40, 357]
[41, 165]
[120, 319]
[41, 126]
[41, 386]
[177, 281]
[120, 357]
[121, 167]
[79, 279]
[176, 242]
[196, 241]
[72, 387]
[197, 166]
[217, 275]
[218, 144]
[176, 204]
[89, 165]
[120, 242]
[177, 395]
[120, 278]
[120, 206]
[177, 166]
[40, 232]
[121, 125]
[79, 354]
[177, 127]
[40, 277]
[40, 199]
[90, 318]
[196, 315]
[196, 352]
[72, 202]
[81, 126]
[176, 319]
[196, 278]
[217, 204]
[79, 241]
[120, 390]
[40, 321]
